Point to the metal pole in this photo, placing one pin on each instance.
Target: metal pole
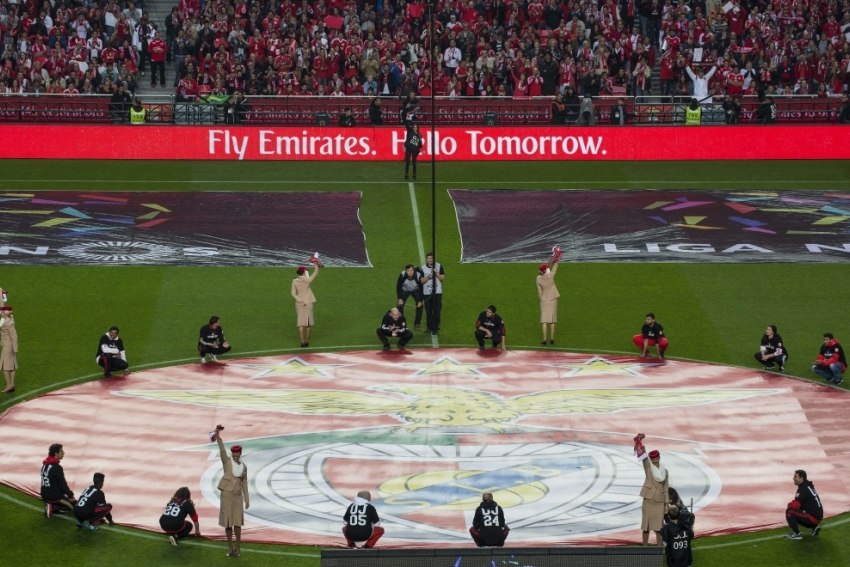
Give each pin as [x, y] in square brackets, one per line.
[431, 57]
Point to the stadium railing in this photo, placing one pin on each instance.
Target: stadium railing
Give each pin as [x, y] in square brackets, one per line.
[305, 111]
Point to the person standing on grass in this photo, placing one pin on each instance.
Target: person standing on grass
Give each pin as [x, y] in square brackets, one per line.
[302, 293]
[211, 341]
[173, 520]
[92, 508]
[234, 491]
[8, 347]
[806, 508]
[408, 286]
[772, 350]
[110, 353]
[432, 279]
[412, 145]
[651, 334]
[831, 361]
[548, 294]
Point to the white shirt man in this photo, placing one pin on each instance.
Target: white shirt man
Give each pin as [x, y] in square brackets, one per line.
[700, 82]
[452, 57]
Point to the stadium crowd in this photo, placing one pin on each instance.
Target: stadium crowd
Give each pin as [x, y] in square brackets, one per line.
[480, 47]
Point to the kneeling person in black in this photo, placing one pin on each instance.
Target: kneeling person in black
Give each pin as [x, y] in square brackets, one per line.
[488, 524]
[394, 325]
[110, 353]
[92, 508]
[806, 508]
[211, 341]
[57, 496]
[173, 519]
[490, 326]
[772, 350]
[361, 522]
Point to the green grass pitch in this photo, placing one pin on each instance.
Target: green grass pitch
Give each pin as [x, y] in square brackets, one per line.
[711, 312]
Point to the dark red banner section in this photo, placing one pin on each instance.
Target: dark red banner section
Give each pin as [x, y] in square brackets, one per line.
[451, 143]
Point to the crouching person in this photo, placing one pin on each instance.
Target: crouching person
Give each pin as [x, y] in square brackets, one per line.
[361, 522]
[488, 526]
[92, 508]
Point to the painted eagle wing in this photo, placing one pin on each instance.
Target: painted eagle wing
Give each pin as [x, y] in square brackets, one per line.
[612, 400]
[314, 402]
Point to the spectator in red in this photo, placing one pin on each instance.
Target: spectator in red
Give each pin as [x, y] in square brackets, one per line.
[157, 52]
[666, 74]
[187, 87]
[642, 73]
[734, 81]
[535, 83]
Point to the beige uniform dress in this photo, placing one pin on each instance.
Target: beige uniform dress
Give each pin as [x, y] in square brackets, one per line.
[9, 343]
[234, 490]
[548, 294]
[304, 298]
[655, 496]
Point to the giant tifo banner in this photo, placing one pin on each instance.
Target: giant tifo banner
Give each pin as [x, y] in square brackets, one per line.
[652, 226]
[548, 433]
[189, 228]
[449, 143]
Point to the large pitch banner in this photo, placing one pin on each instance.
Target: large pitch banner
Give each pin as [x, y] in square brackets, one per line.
[449, 143]
[550, 434]
[654, 226]
[198, 228]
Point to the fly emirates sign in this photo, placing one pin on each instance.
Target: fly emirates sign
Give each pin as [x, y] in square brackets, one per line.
[331, 143]
[531, 144]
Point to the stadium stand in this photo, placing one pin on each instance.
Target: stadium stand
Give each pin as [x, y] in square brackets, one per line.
[516, 51]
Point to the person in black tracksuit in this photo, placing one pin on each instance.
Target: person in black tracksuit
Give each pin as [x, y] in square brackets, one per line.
[407, 286]
[488, 525]
[806, 508]
[173, 520]
[677, 534]
[489, 325]
[412, 145]
[110, 353]
[772, 350]
[55, 492]
[91, 508]
[394, 325]
[211, 341]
